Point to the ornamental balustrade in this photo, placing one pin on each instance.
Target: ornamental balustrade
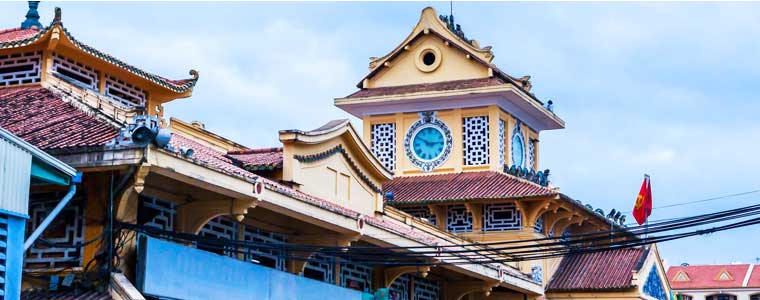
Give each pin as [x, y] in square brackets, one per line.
[537, 177]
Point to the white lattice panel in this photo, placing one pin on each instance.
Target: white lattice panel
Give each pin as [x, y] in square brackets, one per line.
[502, 135]
[124, 93]
[320, 268]
[220, 228]
[384, 144]
[425, 289]
[399, 289]
[265, 256]
[356, 276]
[475, 140]
[537, 272]
[20, 68]
[501, 216]
[161, 213]
[422, 212]
[458, 219]
[532, 154]
[67, 228]
[79, 73]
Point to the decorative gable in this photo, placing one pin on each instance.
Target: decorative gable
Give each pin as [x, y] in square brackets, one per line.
[723, 275]
[681, 277]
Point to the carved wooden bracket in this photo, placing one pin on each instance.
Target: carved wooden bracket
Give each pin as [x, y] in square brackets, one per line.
[192, 216]
[439, 211]
[457, 290]
[140, 174]
[476, 210]
[392, 273]
[530, 211]
[296, 266]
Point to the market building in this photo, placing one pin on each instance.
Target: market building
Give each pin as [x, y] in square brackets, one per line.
[446, 158]
[715, 282]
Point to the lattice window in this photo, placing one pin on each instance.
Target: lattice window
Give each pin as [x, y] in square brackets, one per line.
[531, 154]
[458, 219]
[67, 229]
[220, 228]
[20, 68]
[475, 140]
[502, 216]
[156, 213]
[77, 72]
[537, 272]
[539, 226]
[422, 212]
[384, 144]
[124, 93]
[653, 286]
[267, 257]
[356, 276]
[320, 268]
[425, 289]
[502, 136]
[399, 289]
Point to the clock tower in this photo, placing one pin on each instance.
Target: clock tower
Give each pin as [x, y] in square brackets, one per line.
[436, 104]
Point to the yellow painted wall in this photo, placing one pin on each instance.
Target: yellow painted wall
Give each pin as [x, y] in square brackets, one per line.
[453, 119]
[403, 69]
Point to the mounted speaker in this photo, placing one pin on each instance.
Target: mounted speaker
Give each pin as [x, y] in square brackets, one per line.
[142, 135]
[162, 137]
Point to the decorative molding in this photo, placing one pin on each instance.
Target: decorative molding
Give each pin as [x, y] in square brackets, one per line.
[338, 149]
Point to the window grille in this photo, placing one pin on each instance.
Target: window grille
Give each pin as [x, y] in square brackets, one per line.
[79, 73]
[425, 289]
[124, 93]
[458, 219]
[399, 289]
[422, 212]
[537, 273]
[156, 213]
[67, 228]
[502, 135]
[502, 216]
[220, 228]
[539, 226]
[383, 138]
[356, 276]
[268, 257]
[320, 268]
[475, 140]
[20, 68]
[532, 154]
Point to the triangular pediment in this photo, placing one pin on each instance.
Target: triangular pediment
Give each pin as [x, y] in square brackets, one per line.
[723, 275]
[431, 53]
[681, 277]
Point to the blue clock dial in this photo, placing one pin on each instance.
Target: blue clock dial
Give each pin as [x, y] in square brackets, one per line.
[518, 150]
[428, 143]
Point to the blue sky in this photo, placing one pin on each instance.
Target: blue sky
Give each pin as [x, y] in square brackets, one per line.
[665, 89]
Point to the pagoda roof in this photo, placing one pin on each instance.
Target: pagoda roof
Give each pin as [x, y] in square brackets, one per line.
[257, 159]
[428, 87]
[463, 186]
[19, 37]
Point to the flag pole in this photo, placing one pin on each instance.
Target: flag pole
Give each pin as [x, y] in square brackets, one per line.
[646, 223]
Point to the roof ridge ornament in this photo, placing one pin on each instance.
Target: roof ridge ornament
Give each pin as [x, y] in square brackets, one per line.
[454, 28]
[32, 16]
[57, 18]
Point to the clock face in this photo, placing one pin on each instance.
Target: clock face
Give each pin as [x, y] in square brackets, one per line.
[518, 150]
[428, 143]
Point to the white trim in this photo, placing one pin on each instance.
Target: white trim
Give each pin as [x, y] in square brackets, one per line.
[749, 273]
[37, 153]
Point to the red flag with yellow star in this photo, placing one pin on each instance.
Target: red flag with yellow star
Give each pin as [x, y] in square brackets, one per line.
[643, 207]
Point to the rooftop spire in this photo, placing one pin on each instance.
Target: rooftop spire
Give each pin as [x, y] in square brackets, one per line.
[32, 16]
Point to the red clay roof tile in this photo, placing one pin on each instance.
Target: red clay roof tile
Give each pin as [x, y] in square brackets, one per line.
[705, 276]
[461, 186]
[17, 34]
[597, 271]
[257, 159]
[754, 278]
[428, 87]
[42, 118]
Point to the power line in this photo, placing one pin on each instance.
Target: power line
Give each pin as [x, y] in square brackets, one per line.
[705, 200]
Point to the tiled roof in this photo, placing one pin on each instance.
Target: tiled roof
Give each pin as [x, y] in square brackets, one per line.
[44, 119]
[428, 87]
[461, 186]
[17, 37]
[754, 278]
[64, 295]
[597, 271]
[257, 159]
[706, 276]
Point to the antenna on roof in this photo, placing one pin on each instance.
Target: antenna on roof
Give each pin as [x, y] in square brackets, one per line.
[32, 17]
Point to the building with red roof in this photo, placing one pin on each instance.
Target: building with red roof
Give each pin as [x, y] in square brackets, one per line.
[716, 282]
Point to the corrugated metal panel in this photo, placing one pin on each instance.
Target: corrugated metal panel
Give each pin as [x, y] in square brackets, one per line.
[15, 169]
